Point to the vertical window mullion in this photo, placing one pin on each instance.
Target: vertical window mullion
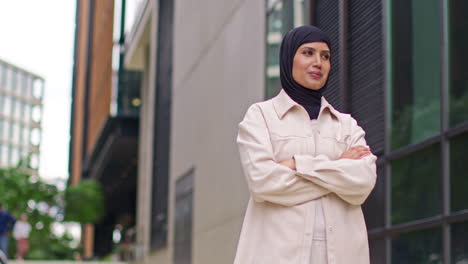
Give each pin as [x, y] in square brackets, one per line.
[445, 147]
[388, 29]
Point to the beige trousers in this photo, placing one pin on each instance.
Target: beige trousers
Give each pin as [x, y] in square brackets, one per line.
[318, 253]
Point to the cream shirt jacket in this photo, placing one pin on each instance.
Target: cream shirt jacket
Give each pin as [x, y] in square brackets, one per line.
[279, 221]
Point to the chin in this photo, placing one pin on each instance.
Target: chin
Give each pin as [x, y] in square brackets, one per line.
[313, 87]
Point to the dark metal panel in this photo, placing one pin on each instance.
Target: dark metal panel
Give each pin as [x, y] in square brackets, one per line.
[89, 60]
[377, 251]
[374, 207]
[343, 64]
[162, 124]
[326, 15]
[366, 70]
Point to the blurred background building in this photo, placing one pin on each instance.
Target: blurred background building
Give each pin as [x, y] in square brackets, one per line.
[105, 120]
[21, 106]
[157, 99]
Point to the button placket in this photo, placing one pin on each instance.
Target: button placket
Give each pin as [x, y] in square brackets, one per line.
[308, 232]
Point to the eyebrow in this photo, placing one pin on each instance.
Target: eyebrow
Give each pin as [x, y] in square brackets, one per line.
[323, 51]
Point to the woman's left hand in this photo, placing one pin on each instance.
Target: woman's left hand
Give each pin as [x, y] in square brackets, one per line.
[290, 163]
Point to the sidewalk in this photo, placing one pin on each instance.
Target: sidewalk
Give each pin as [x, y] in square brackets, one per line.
[64, 262]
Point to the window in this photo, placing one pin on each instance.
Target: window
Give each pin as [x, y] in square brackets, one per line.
[418, 247]
[9, 79]
[14, 156]
[28, 87]
[5, 154]
[14, 80]
[6, 130]
[459, 243]
[27, 113]
[24, 84]
[34, 162]
[458, 173]
[183, 219]
[458, 37]
[2, 99]
[25, 137]
[35, 136]
[16, 133]
[2, 76]
[416, 71]
[282, 16]
[17, 108]
[38, 86]
[7, 106]
[36, 113]
[416, 190]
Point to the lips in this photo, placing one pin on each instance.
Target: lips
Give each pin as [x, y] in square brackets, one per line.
[315, 74]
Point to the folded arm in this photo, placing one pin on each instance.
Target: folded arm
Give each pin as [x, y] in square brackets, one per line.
[350, 179]
[266, 178]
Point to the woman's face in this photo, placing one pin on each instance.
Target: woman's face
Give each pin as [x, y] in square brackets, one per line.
[311, 65]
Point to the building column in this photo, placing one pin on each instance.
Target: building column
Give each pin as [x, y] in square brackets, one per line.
[88, 241]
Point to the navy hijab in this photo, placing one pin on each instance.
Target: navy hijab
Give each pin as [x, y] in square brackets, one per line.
[308, 98]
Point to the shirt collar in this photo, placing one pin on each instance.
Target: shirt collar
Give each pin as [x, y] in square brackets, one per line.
[283, 103]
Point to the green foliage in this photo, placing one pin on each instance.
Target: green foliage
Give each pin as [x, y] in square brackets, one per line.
[84, 202]
[21, 193]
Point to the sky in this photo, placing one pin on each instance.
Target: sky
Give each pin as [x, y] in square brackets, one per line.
[39, 37]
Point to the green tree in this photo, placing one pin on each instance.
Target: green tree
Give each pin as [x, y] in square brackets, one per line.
[84, 202]
[20, 192]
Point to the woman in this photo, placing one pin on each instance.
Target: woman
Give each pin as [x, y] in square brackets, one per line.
[21, 234]
[307, 166]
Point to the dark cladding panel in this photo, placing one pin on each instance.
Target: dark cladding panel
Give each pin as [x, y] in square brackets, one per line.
[327, 18]
[162, 124]
[366, 69]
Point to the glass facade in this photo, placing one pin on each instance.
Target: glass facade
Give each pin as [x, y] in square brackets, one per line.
[416, 191]
[20, 93]
[418, 210]
[459, 243]
[416, 71]
[418, 247]
[427, 144]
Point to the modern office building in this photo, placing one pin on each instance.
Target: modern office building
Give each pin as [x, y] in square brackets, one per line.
[104, 122]
[397, 67]
[21, 107]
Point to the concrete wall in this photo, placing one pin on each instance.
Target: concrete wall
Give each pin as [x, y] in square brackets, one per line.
[219, 48]
[148, 47]
[218, 72]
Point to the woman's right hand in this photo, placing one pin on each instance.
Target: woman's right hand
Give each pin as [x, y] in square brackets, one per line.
[356, 152]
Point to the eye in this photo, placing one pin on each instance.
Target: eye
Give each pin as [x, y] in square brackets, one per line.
[325, 56]
[308, 52]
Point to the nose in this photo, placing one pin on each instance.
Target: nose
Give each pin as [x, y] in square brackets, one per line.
[317, 61]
